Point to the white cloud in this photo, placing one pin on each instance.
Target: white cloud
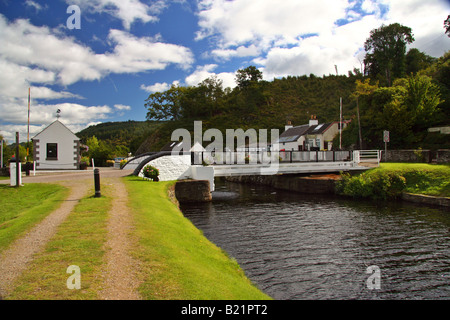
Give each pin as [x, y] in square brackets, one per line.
[126, 10]
[426, 19]
[45, 59]
[158, 87]
[242, 21]
[34, 4]
[320, 54]
[68, 61]
[301, 37]
[122, 107]
[76, 116]
[204, 72]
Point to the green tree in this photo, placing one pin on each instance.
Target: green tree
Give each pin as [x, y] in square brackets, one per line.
[247, 76]
[165, 105]
[447, 25]
[417, 60]
[363, 88]
[386, 49]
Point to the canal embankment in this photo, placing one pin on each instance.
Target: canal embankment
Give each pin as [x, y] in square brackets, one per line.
[177, 260]
[416, 182]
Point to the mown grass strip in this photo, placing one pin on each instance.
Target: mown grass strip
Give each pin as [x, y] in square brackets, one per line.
[79, 241]
[178, 262]
[21, 208]
[391, 179]
[422, 178]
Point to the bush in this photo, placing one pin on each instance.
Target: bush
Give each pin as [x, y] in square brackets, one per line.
[110, 163]
[151, 172]
[84, 163]
[375, 185]
[123, 162]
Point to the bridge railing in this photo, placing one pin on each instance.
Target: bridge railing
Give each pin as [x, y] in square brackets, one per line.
[264, 157]
[367, 156]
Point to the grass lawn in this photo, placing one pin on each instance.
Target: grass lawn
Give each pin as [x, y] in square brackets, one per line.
[422, 178]
[21, 208]
[79, 241]
[390, 180]
[178, 262]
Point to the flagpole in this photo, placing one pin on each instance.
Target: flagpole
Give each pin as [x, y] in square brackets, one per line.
[28, 133]
[340, 124]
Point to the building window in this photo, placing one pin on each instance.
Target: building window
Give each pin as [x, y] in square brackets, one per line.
[52, 151]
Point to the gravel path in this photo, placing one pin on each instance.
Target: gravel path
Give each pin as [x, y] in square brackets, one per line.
[14, 260]
[121, 282]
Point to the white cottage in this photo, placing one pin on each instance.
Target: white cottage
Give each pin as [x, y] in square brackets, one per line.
[56, 148]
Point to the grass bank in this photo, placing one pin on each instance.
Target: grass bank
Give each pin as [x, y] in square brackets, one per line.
[79, 241]
[21, 208]
[178, 262]
[390, 180]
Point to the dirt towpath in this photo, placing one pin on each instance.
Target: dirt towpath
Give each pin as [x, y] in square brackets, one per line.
[14, 260]
[120, 280]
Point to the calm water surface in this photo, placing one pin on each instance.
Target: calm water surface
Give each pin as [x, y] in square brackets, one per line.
[295, 246]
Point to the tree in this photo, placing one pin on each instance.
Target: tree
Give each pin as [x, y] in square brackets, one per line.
[165, 105]
[386, 49]
[244, 77]
[417, 60]
[447, 25]
[362, 88]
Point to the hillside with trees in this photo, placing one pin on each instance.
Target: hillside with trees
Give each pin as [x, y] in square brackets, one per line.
[109, 140]
[402, 91]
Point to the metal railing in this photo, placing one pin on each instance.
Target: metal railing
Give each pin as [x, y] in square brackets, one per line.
[264, 157]
[367, 156]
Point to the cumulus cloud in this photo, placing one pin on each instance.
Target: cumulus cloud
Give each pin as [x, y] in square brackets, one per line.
[242, 21]
[203, 72]
[126, 10]
[301, 37]
[122, 107]
[45, 59]
[67, 61]
[158, 87]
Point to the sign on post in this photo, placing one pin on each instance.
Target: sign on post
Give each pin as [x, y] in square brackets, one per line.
[386, 136]
[386, 140]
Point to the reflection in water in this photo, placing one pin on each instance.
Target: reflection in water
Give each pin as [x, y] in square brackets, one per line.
[295, 246]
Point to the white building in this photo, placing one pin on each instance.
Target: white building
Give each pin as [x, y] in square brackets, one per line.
[56, 148]
[311, 136]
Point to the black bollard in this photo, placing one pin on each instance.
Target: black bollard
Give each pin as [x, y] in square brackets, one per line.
[97, 183]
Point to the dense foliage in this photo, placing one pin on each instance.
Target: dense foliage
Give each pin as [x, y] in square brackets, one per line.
[391, 179]
[109, 140]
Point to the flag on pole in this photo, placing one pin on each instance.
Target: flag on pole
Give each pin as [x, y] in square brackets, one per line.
[28, 132]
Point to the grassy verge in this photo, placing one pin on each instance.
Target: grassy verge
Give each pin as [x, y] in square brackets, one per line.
[21, 208]
[178, 262]
[391, 179]
[79, 241]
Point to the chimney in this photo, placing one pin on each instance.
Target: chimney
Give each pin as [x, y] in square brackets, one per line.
[313, 121]
[288, 126]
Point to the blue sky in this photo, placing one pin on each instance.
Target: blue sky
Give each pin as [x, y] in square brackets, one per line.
[127, 49]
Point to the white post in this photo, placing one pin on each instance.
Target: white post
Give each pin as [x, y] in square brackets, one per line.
[34, 168]
[13, 166]
[1, 159]
[93, 164]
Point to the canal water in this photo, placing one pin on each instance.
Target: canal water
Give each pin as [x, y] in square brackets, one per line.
[295, 246]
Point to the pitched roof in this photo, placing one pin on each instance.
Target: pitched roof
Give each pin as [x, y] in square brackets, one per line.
[55, 123]
[294, 133]
[318, 129]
